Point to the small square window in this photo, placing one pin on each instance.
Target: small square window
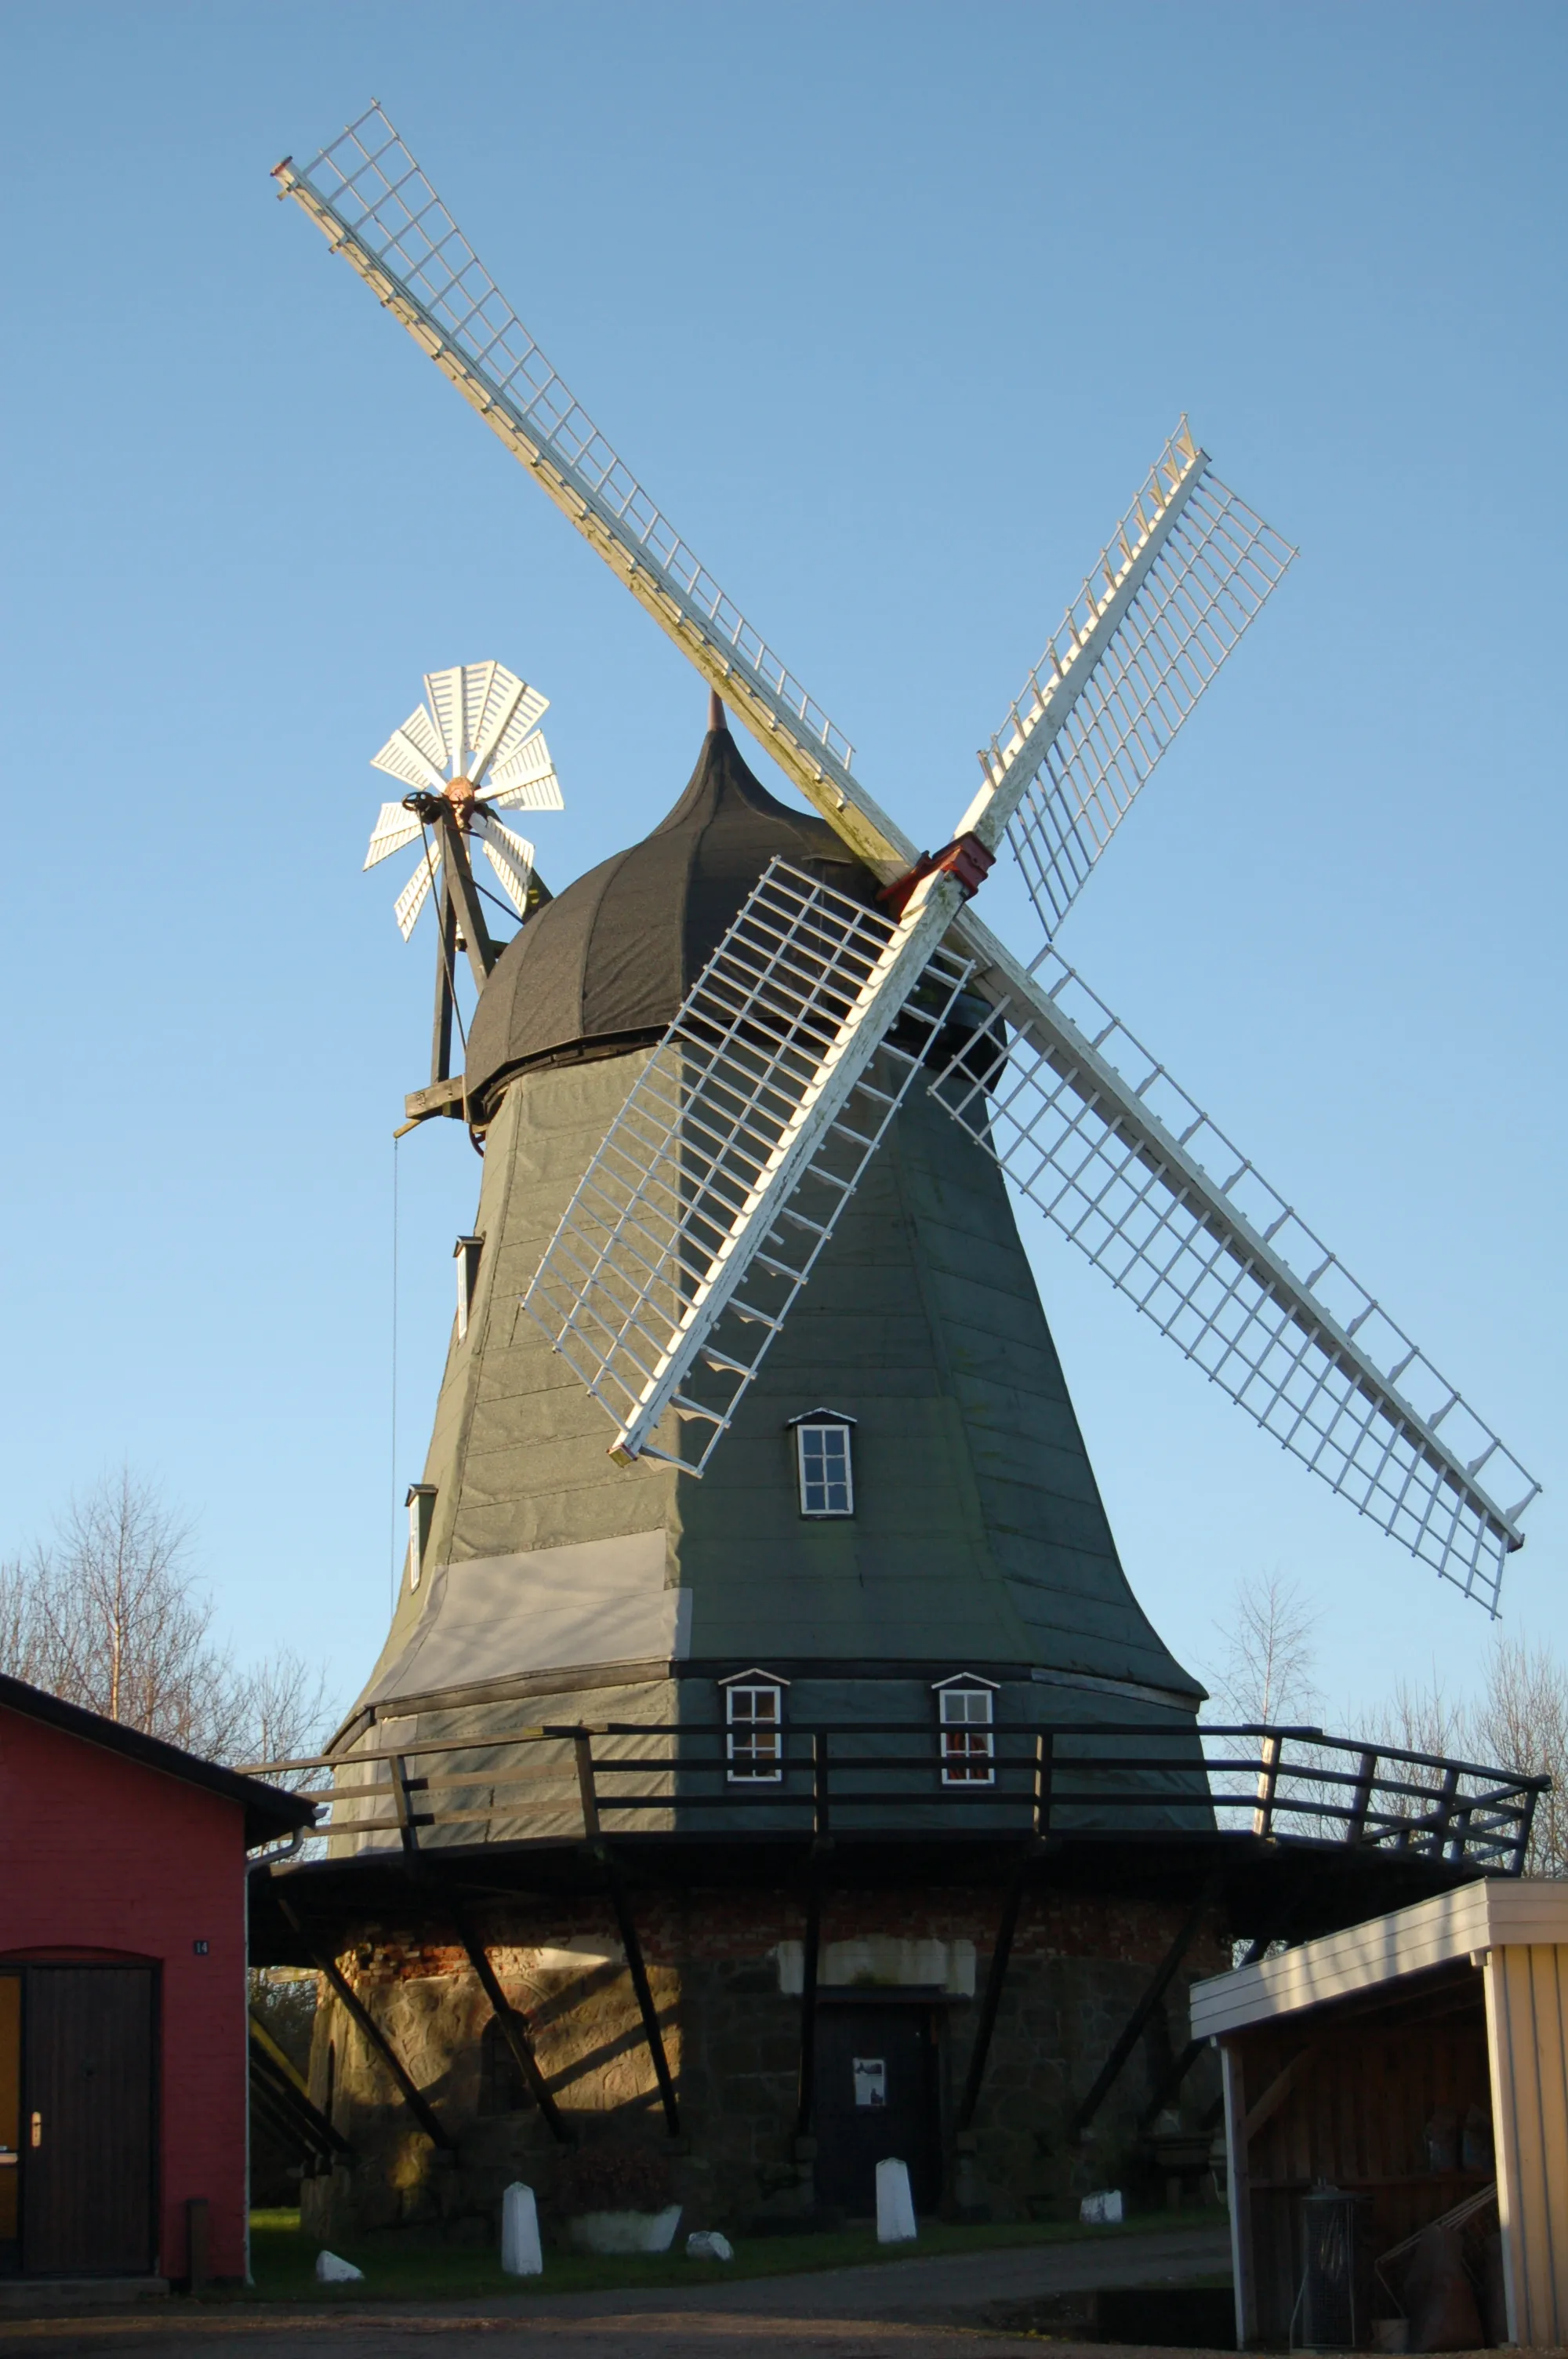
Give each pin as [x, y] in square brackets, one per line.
[967, 1743]
[753, 1743]
[826, 1472]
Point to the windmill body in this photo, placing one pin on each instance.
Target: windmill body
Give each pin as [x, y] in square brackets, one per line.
[978, 1536]
[768, 1748]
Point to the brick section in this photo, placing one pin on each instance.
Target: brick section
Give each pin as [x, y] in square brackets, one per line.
[104, 1860]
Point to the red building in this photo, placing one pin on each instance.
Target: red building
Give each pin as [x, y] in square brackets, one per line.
[122, 2040]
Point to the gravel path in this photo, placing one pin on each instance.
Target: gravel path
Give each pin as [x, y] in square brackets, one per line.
[904, 2310]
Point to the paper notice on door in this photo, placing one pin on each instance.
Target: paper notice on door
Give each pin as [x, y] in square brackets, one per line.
[871, 2073]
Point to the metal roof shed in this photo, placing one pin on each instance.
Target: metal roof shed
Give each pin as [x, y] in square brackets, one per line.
[1340, 2054]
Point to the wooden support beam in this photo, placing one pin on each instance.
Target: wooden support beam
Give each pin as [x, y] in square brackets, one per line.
[446, 1097]
[805, 2094]
[639, 1973]
[587, 1792]
[413, 2096]
[1239, 2191]
[290, 2098]
[513, 2029]
[458, 872]
[408, 1834]
[446, 977]
[272, 2104]
[1002, 1951]
[1170, 2086]
[1274, 2095]
[1159, 1982]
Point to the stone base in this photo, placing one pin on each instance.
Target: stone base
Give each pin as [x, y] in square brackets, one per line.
[718, 1967]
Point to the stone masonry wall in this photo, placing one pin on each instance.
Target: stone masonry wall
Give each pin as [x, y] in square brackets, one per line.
[1078, 1967]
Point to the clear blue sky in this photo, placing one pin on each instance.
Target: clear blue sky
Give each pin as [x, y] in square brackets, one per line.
[891, 307]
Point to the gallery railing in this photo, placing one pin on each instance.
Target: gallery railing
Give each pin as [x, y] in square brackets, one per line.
[585, 1780]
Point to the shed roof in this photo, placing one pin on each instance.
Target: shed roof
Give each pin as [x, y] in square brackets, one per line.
[270, 1813]
[1499, 1912]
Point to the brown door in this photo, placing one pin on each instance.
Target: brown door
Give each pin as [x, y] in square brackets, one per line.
[87, 2120]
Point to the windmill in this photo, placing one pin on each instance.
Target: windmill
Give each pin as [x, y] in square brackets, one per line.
[834, 1647]
[472, 749]
[699, 1221]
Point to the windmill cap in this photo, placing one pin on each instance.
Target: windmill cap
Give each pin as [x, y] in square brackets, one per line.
[603, 967]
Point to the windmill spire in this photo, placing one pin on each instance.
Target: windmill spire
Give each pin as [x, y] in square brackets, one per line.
[717, 718]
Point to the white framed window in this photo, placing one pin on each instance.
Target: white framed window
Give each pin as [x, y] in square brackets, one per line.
[965, 1708]
[825, 1464]
[465, 1253]
[753, 1728]
[421, 1505]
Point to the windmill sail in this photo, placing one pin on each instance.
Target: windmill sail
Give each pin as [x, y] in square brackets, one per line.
[735, 1153]
[1183, 578]
[1187, 570]
[1131, 1171]
[366, 192]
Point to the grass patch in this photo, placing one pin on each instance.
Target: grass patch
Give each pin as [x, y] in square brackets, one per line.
[420, 2265]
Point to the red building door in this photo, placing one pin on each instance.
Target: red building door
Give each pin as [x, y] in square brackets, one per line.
[88, 2159]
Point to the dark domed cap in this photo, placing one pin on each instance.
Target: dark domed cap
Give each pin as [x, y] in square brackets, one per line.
[606, 965]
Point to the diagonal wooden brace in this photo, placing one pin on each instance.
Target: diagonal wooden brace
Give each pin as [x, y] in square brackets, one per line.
[1159, 1982]
[413, 2096]
[513, 2029]
[639, 1973]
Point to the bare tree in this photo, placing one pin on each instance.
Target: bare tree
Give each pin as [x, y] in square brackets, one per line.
[283, 1708]
[1266, 1671]
[112, 1618]
[1522, 1723]
[1518, 1724]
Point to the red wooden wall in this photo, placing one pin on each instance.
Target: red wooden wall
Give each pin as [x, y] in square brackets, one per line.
[101, 1858]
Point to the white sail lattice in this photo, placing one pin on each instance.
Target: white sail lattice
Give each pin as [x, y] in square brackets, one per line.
[712, 1177]
[1152, 1190]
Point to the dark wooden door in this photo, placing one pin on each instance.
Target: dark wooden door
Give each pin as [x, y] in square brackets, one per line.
[87, 2155]
[876, 2097]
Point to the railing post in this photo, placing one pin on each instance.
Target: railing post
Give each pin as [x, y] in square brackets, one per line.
[1526, 1827]
[1439, 1843]
[1268, 1778]
[819, 1797]
[407, 1833]
[811, 1949]
[1361, 1798]
[582, 1747]
[1044, 1765]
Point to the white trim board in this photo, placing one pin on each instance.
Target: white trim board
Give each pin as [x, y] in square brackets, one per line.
[1499, 1913]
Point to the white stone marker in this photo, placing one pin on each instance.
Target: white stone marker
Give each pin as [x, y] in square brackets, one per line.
[895, 2204]
[1102, 2210]
[520, 2253]
[332, 2270]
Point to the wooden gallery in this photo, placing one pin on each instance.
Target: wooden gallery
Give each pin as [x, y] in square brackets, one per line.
[841, 1803]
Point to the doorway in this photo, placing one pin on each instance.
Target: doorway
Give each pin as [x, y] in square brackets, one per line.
[875, 2097]
[77, 2115]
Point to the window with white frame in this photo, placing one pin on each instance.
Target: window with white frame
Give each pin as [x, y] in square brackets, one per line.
[753, 1730]
[825, 1464]
[966, 1709]
[465, 1253]
[421, 1504]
